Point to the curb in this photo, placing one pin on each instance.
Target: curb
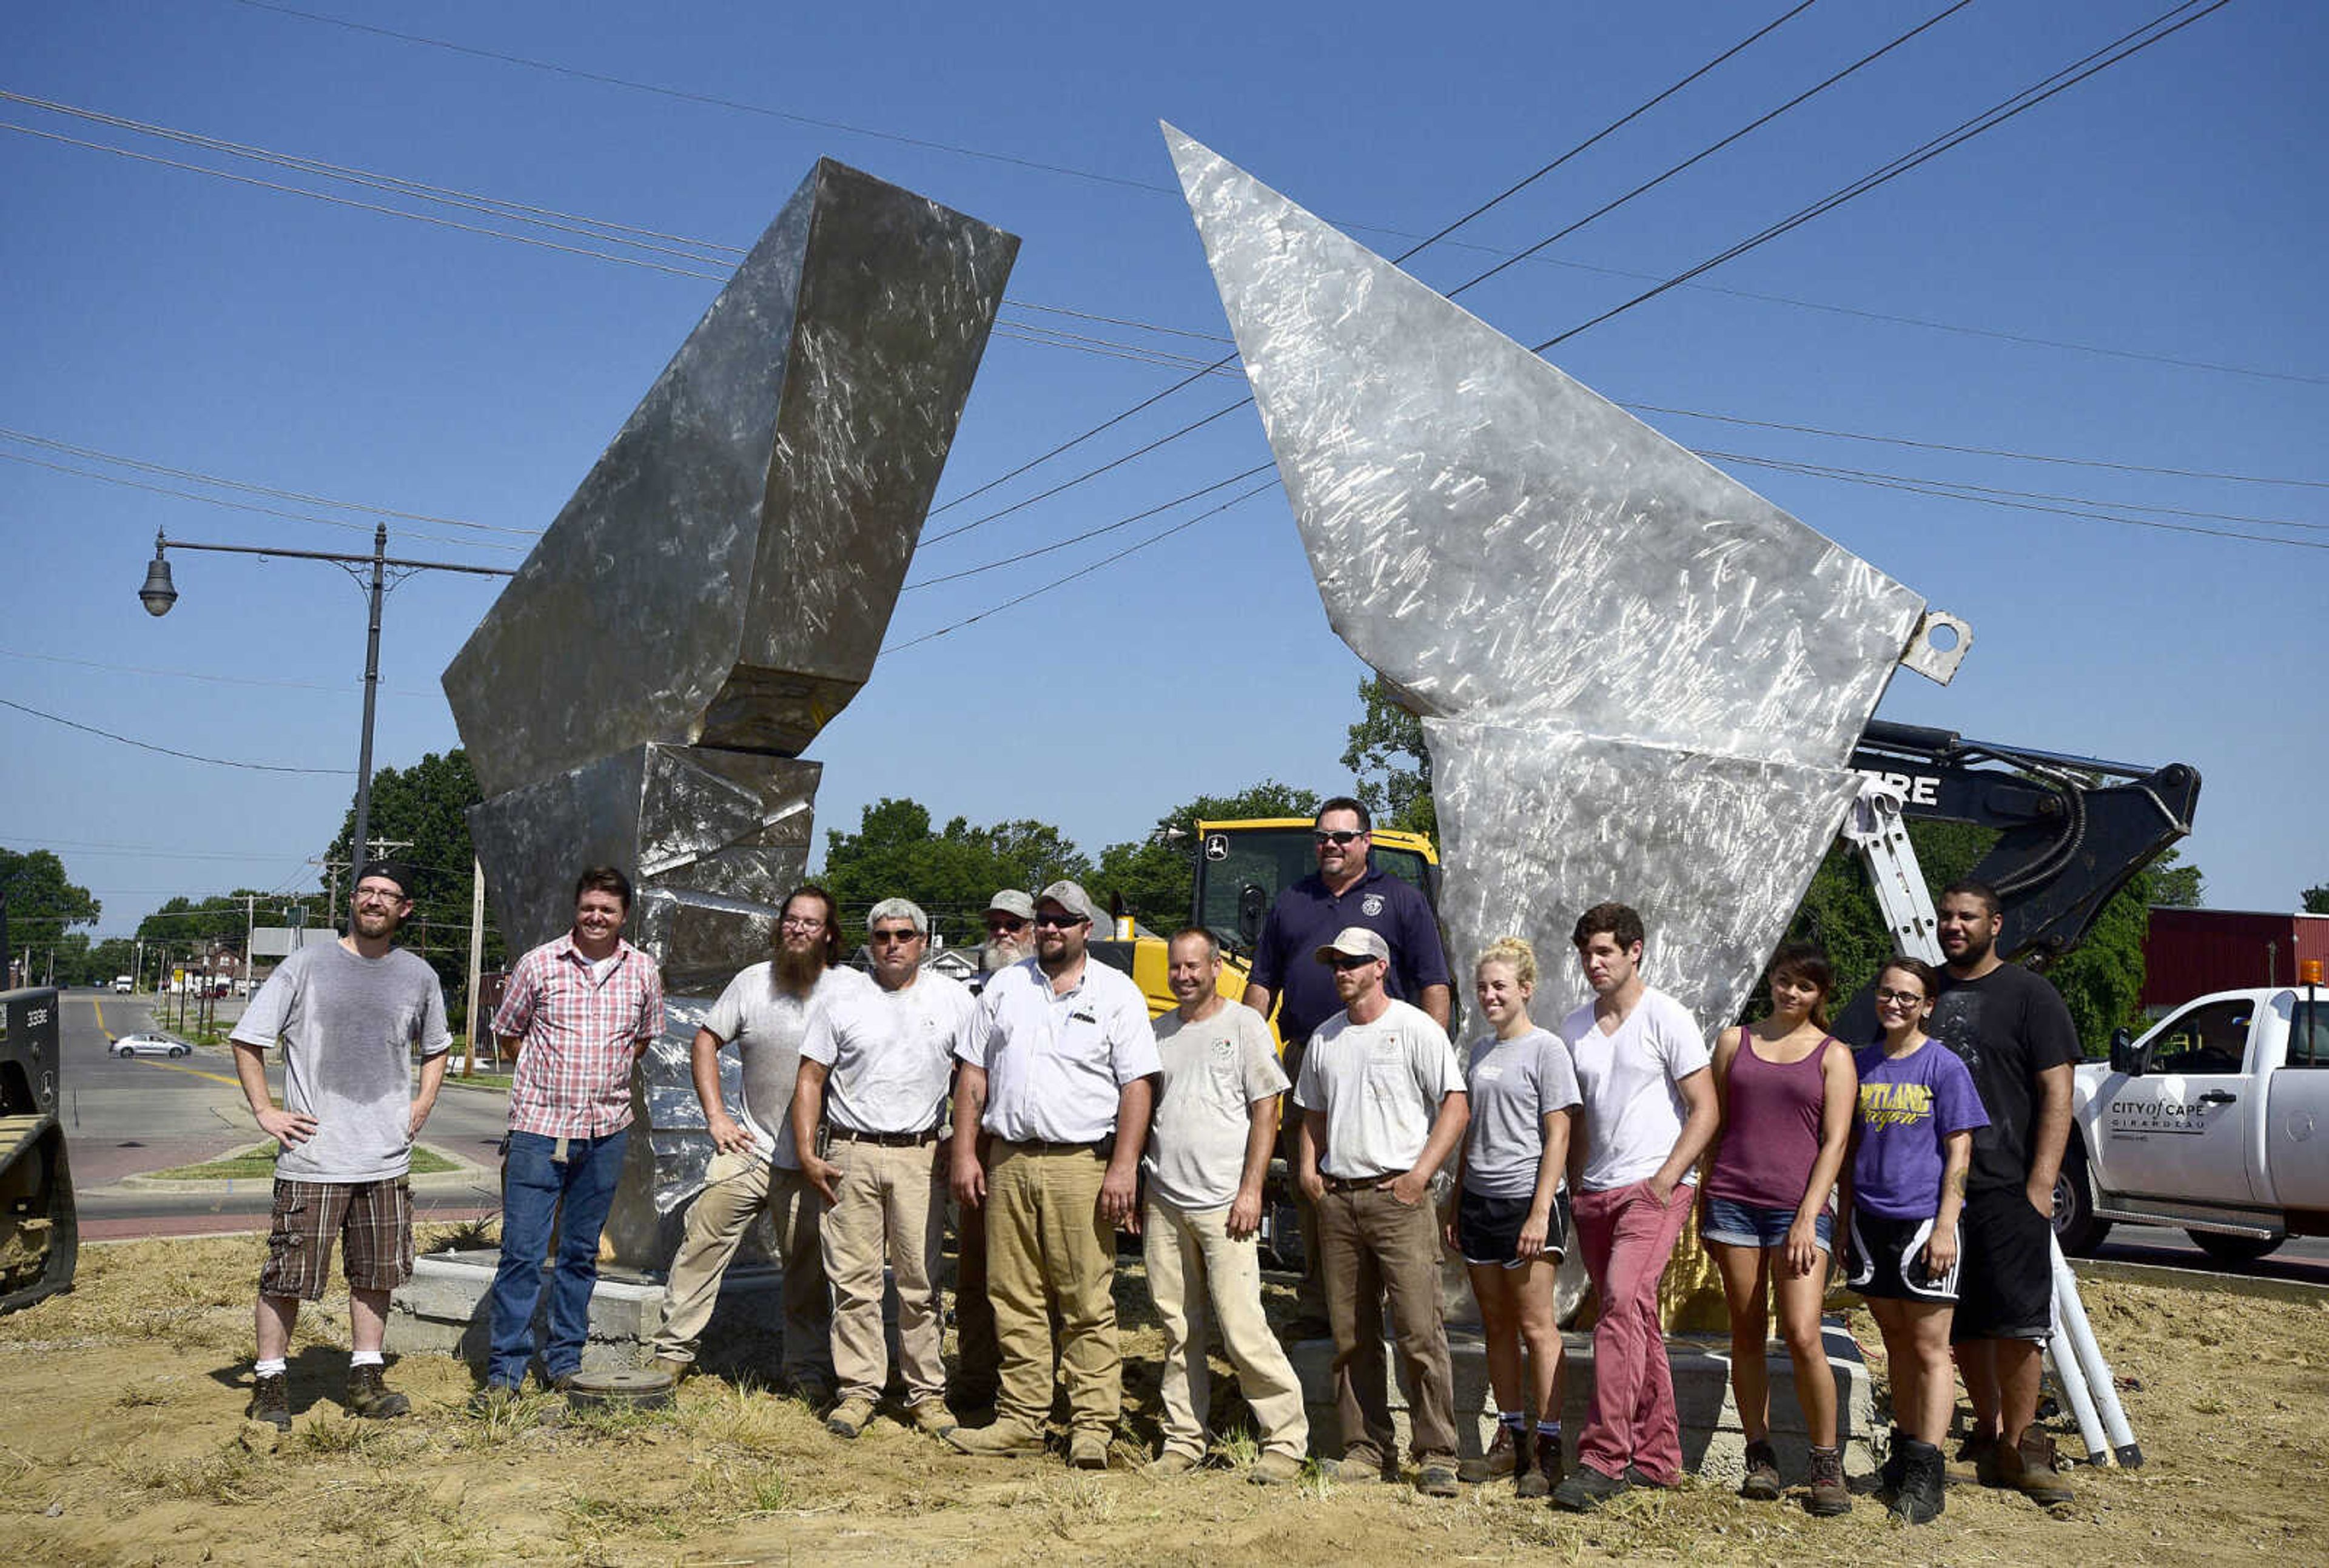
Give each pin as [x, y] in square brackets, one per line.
[2173, 1279]
[467, 1173]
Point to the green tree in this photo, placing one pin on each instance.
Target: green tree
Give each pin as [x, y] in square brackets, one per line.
[951, 873]
[42, 902]
[1389, 761]
[1155, 876]
[2316, 900]
[423, 809]
[183, 924]
[2176, 885]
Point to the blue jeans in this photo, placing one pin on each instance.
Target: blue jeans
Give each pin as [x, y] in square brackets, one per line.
[534, 1186]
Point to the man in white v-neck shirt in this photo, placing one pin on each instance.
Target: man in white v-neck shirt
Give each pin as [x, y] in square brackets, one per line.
[1649, 1112]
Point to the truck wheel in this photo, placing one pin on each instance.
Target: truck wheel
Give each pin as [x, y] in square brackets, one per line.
[2233, 1252]
[2075, 1225]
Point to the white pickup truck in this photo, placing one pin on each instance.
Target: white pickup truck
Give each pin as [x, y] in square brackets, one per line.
[2216, 1121]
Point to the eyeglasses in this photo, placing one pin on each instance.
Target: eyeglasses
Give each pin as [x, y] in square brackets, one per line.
[905, 935]
[374, 895]
[1902, 998]
[1012, 924]
[795, 923]
[1344, 961]
[1326, 835]
[1058, 922]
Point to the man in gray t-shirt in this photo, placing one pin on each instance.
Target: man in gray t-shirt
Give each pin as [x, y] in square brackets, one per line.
[349, 1013]
[765, 1013]
[1208, 1152]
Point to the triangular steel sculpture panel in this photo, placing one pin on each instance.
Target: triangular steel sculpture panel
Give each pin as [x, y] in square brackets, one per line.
[1639, 679]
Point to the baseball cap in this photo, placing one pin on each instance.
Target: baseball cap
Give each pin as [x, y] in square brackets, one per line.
[1012, 902]
[1354, 942]
[394, 870]
[1071, 897]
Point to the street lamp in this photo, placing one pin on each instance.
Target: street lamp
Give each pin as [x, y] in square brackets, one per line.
[159, 594]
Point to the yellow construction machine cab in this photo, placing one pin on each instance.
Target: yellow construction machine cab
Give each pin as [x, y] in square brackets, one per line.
[1241, 865]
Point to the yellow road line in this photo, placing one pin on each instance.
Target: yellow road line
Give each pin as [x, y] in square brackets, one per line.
[213, 1077]
[98, 1004]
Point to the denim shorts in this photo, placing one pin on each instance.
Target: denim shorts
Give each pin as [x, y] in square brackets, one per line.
[1738, 1224]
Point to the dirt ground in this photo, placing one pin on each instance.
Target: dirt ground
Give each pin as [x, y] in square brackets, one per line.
[124, 1442]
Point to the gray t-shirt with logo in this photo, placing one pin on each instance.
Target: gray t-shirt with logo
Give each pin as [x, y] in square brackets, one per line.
[1214, 1070]
[1515, 1085]
[348, 1024]
[767, 1025]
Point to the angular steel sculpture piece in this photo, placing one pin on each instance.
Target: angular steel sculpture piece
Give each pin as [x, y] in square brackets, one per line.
[1638, 679]
[714, 594]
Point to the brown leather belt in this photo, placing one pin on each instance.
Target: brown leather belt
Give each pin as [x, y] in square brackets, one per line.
[1358, 1184]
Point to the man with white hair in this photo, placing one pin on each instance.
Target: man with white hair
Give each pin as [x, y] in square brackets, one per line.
[874, 1069]
[1010, 939]
[1057, 1068]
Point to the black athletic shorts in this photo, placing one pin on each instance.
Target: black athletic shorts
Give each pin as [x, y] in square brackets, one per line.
[1488, 1230]
[1883, 1261]
[2006, 1274]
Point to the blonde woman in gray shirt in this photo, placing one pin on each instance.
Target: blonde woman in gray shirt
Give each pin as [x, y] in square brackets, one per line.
[1510, 1213]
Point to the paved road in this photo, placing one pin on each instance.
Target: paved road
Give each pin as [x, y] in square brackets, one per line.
[125, 1118]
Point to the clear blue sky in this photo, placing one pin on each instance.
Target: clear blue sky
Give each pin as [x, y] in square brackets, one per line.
[2168, 212]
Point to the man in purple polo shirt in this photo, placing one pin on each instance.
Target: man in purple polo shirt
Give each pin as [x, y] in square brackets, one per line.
[1347, 891]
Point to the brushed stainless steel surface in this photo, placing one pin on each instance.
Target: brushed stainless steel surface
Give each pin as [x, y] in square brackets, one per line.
[1640, 680]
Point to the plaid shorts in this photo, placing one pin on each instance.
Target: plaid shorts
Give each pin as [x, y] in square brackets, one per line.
[373, 1220]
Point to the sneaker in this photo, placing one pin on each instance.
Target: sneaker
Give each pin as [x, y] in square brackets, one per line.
[1500, 1460]
[1540, 1479]
[1829, 1497]
[1637, 1477]
[1587, 1490]
[931, 1417]
[1088, 1451]
[373, 1399]
[1895, 1467]
[849, 1417]
[1274, 1470]
[1171, 1462]
[1436, 1479]
[1000, 1437]
[1352, 1469]
[271, 1400]
[1762, 1483]
[1918, 1498]
[2028, 1466]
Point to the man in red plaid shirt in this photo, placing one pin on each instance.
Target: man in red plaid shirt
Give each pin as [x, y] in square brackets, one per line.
[578, 1013]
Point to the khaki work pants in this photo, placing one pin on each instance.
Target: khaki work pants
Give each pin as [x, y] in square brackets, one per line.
[1373, 1245]
[1193, 1266]
[888, 1210]
[738, 1186]
[1048, 1249]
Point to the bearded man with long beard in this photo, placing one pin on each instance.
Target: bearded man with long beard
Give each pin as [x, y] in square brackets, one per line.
[765, 1013]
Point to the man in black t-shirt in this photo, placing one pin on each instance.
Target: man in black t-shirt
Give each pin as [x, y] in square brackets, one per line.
[2012, 1031]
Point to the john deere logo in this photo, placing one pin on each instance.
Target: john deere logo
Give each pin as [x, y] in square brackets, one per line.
[1217, 847]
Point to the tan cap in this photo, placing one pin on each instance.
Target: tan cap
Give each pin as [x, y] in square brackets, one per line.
[1354, 942]
[1071, 897]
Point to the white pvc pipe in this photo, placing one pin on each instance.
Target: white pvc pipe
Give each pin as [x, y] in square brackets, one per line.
[2072, 1313]
[2072, 1379]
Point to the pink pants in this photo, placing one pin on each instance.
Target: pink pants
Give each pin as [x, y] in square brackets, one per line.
[1627, 1239]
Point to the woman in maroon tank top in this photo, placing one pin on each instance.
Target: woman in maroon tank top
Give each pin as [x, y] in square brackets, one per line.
[1788, 1092]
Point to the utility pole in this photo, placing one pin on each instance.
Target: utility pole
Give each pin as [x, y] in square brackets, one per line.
[249, 925]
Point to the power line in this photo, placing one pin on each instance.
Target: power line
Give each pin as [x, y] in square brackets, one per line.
[1827, 470]
[1087, 534]
[171, 751]
[348, 689]
[1966, 130]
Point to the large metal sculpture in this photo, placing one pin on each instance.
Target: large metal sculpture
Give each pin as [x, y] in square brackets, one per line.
[714, 594]
[1638, 679]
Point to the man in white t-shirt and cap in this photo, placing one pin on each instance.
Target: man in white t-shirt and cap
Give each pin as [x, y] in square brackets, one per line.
[874, 1069]
[1649, 1112]
[1010, 921]
[1059, 1069]
[765, 1013]
[1208, 1154]
[1383, 1107]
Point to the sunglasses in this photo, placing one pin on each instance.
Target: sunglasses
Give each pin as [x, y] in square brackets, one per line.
[1059, 922]
[1012, 924]
[887, 937]
[1346, 962]
[1326, 835]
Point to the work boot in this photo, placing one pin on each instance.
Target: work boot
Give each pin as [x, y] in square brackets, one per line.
[849, 1417]
[1587, 1490]
[1274, 1469]
[1171, 1462]
[1003, 1437]
[371, 1398]
[1919, 1498]
[1502, 1459]
[1980, 1450]
[1088, 1451]
[1895, 1467]
[1435, 1478]
[672, 1367]
[1539, 1480]
[1354, 1469]
[931, 1417]
[1829, 1498]
[1763, 1484]
[271, 1400]
[1637, 1477]
[2028, 1466]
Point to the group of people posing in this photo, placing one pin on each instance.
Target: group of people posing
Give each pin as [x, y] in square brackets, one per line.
[1055, 1112]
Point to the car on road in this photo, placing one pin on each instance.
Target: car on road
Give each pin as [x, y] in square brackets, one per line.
[129, 1045]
